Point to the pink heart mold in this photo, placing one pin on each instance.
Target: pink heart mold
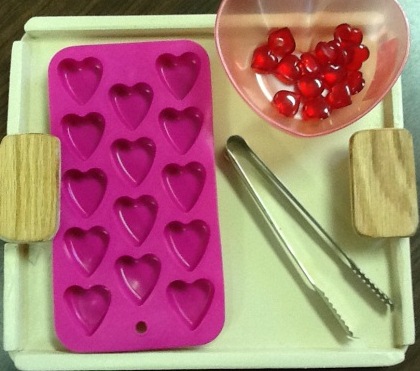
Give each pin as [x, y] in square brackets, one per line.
[139, 276]
[87, 248]
[179, 73]
[136, 261]
[191, 300]
[131, 103]
[137, 216]
[181, 127]
[84, 132]
[134, 159]
[188, 241]
[184, 184]
[80, 78]
[89, 306]
[86, 189]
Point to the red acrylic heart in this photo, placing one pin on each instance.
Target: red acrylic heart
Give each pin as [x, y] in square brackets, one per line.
[287, 102]
[347, 33]
[355, 81]
[310, 87]
[339, 96]
[288, 68]
[316, 108]
[263, 60]
[281, 42]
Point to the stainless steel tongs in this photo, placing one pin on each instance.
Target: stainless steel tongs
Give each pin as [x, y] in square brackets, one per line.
[237, 146]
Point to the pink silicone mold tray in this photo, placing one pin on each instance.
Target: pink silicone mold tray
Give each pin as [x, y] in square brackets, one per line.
[137, 258]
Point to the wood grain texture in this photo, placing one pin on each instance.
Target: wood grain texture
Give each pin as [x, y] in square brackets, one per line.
[384, 196]
[29, 171]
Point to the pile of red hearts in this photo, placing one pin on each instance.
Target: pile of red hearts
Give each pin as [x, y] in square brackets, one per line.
[320, 80]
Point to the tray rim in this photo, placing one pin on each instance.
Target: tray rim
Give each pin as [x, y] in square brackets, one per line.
[54, 26]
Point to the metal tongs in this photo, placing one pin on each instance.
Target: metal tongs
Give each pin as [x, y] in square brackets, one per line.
[237, 147]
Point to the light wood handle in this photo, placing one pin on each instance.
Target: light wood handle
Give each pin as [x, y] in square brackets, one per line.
[29, 179]
[383, 183]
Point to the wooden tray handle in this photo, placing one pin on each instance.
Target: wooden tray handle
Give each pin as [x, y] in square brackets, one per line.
[29, 187]
[383, 183]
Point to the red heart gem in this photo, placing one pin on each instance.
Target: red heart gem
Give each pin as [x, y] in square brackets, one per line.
[355, 81]
[325, 52]
[309, 86]
[309, 64]
[344, 54]
[263, 61]
[360, 54]
[324, 78]
[281, 42]
[344, 32]
[287, 102]
[333, 74]
[339, 96]
[288, 69]
[316, 108]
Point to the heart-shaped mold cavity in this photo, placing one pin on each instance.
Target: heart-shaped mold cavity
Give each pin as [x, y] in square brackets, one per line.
[191, 300]
[181, 127]
[89, 306]
[86, 190]
[179, 73]
[184, 183]
[139, 276]
[80, 78]
[87, 248]
[137, 216]
[134, 159]
[188, 241]
[84, 132]
[131, 102]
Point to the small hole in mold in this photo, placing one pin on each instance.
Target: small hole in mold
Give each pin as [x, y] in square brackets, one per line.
[179, 73]
[181, 127]
[131, 103]
[141, 327]
[80, 78]
[184, 183]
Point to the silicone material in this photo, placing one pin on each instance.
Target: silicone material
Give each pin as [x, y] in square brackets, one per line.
[137, 257]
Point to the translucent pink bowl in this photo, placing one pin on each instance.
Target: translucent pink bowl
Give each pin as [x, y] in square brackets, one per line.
[241, 26]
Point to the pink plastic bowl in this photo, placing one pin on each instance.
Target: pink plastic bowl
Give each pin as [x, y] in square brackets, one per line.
[243, 25]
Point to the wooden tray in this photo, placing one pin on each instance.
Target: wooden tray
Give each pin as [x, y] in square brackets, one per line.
[272, 320]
